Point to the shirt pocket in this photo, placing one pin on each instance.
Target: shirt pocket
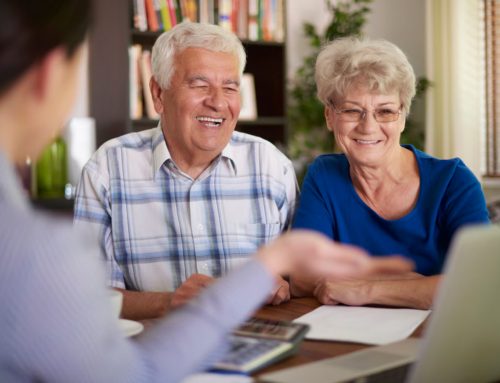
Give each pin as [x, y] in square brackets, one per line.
[251, 236]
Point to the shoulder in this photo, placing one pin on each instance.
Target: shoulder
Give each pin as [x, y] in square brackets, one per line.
[51, 241]
[329, 164]
[111, 154]
[252, 146]
[129, 142]
[453, 170]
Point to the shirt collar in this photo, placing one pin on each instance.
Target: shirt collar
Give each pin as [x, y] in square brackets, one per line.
[160, 150]
[10, 186]
[161, 153]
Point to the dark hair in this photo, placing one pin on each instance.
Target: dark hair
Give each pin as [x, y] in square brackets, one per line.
[29, 29]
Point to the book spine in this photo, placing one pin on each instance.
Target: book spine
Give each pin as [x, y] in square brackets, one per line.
[152, 18]
[261, 19]
[165, 15]
[216, 11]
[157, 6]
[211, 19]
[178, 12]
[192, 10]
[225, 12]
[184, 12]
[136, 20]
[132, 81]
[280, 20]
[234, 16]
[173, 14]
[143, 21]
[204, 11]
[242, 25]
[253, 20]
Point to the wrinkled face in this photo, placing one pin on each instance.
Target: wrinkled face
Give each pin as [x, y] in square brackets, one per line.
[366, 142]
[201, 107]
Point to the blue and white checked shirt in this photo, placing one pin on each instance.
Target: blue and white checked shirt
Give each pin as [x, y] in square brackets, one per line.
[157, 226]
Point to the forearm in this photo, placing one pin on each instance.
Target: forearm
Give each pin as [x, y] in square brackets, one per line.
[416, 293]
[304, 285]
[144, 305]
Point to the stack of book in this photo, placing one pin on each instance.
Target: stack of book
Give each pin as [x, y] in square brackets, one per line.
[139, 77]
[248, 19]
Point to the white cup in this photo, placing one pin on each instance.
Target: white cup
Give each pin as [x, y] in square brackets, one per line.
[116, 299]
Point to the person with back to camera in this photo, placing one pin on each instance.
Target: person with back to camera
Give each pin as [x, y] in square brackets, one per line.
[382, 196]
[56, 324]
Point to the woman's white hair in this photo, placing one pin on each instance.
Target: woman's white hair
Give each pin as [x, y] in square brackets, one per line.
[351, 62]
[192, 35]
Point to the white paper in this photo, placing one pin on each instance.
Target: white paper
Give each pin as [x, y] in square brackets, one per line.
[217, 378]
[368, 325]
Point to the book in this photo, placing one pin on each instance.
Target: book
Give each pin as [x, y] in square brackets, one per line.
[165, 15]
[135, 89]
[157, 6]
[143, 21]
[253, 20]
[172, 11]
[146, 74]
[225, 12]
[151, 15]
[280, 21]
[204, 16]
[242, 23]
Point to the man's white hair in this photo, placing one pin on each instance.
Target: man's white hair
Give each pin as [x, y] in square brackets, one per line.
[192, 35]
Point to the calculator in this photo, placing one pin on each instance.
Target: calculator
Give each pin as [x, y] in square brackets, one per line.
[261, 342]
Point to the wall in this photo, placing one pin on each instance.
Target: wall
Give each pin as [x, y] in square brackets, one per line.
[399, 21]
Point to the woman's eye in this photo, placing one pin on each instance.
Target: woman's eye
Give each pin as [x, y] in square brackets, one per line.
[353, 111]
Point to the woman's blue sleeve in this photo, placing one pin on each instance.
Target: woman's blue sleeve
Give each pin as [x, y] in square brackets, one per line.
[464, 202]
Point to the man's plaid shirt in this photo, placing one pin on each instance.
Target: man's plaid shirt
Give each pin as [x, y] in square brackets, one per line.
[157, 226]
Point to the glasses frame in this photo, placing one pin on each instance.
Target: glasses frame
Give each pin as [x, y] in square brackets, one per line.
[364, 114]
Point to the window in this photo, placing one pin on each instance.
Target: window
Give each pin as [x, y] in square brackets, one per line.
[492, 48]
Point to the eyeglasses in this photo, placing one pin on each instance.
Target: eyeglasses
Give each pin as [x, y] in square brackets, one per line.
[380, 115]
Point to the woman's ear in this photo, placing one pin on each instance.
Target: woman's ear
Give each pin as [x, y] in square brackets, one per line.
[328, 117]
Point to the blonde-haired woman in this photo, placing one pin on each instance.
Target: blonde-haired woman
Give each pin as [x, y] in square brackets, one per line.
[385, 197]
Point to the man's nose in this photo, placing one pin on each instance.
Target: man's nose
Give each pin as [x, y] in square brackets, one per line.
[216, 100]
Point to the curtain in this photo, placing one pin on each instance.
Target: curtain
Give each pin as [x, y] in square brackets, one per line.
[455, 67]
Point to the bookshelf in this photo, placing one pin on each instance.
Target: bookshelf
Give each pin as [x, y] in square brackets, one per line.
[110, 38]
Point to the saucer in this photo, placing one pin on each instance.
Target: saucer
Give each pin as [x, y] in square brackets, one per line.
[130, 327]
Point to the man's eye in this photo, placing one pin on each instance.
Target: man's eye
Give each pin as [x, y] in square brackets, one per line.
[231, 89]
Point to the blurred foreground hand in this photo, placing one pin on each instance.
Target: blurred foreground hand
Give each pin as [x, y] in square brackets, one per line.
[314, 253]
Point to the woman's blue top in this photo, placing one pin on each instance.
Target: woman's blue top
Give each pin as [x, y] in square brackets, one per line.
[450, 196]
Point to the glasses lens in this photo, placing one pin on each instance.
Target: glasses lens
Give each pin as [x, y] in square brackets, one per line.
[386, 115]
[351, 114]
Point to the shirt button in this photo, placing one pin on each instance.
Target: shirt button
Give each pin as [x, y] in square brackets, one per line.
[205, 267]
[200, 226]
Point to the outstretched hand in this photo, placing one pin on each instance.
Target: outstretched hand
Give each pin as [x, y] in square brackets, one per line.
[313, 253]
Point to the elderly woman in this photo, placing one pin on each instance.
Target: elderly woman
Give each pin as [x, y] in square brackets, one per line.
[385, 197]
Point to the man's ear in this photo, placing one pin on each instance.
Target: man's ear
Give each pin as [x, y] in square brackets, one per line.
[47, 73]
[156, 93]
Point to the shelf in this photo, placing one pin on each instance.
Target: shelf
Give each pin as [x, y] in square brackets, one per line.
[53, 204]
[154, 35]
[145, 123]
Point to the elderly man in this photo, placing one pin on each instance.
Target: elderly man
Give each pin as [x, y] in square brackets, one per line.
[179, 205]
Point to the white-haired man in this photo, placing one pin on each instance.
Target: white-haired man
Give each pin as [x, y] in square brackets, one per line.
[181, 204]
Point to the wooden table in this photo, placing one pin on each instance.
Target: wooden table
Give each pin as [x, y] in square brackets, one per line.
[310, 350]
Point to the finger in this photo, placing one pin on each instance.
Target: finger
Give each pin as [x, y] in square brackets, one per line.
[281, 296]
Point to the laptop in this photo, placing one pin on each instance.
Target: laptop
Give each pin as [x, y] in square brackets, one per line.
[461, 341]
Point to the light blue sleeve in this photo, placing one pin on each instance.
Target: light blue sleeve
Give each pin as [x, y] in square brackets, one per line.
[58, 326]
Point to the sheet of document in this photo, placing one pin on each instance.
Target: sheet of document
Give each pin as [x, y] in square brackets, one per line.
[368, 325]
[217, 378]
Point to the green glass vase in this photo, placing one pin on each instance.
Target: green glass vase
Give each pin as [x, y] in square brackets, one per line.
[51, 171]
